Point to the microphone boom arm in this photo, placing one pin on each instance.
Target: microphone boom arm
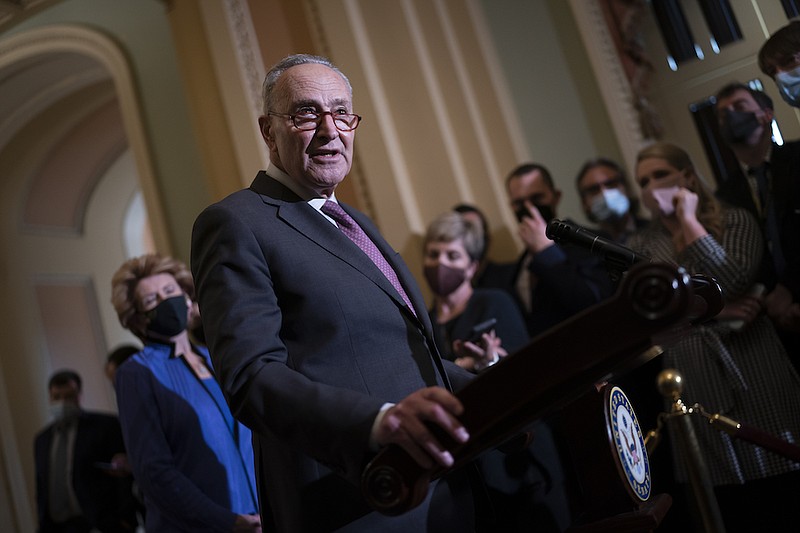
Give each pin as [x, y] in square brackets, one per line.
[617, 258]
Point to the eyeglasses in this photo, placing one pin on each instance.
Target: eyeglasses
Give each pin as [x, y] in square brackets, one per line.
[310, 120]
[612, 183]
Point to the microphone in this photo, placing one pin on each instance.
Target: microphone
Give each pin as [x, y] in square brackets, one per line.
[614, 254]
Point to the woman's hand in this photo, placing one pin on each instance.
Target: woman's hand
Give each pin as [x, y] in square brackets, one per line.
[247, 522]
[782, 309]
[746, 309]
[686, 203]
[790, 319]
[478, 356]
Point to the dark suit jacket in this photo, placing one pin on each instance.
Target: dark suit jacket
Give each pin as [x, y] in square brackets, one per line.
[106, 501]
[785, 193]
[309, 340]
[569, 280]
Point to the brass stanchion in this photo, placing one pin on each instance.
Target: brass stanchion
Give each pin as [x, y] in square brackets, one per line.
[670, 385]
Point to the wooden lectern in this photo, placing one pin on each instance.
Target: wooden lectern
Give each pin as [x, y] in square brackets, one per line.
[558, 368]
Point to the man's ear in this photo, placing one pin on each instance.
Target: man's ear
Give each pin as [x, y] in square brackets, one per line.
[769, 114]
[557, 195]
[266, 131]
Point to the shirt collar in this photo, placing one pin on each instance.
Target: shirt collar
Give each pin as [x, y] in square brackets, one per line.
[308, 196]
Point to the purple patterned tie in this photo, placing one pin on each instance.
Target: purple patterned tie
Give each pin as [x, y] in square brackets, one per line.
[354, 232]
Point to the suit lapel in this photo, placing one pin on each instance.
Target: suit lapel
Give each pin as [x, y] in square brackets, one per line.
[303, 218]
[82, 427]
[412, 290]
[47, 457]
[393, 258]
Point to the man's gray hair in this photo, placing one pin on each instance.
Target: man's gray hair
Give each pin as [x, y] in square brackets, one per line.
[288, 62]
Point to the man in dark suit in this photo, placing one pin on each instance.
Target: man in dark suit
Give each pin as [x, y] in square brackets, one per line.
[81, 483]
[317, 330]
[551, 282]
[770, 189]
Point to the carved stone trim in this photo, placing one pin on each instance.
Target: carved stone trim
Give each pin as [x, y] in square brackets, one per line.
[356, 176]
[248, 55]
[611, 79]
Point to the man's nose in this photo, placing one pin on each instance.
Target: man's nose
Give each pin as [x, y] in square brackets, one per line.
[327, 126]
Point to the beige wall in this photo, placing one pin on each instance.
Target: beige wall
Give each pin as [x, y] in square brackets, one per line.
[56, 270]
[454, 94]
[443, 124]
[674, 91]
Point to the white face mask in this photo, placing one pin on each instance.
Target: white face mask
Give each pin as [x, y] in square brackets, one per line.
[789, 85]
[60, 411]
[612, 204]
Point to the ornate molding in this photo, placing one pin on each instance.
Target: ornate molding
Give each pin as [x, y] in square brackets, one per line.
[610, 74]
[356, 176]
[251, 66]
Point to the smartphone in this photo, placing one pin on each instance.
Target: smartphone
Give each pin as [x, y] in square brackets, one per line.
[477, 331]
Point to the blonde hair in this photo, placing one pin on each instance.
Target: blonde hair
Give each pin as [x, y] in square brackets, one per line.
[709, 209]
[452, 226]
[128, 276]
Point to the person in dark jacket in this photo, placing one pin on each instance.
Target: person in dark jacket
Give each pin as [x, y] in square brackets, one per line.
[80, 483]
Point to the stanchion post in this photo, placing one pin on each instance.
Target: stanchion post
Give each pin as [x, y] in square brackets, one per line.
[670, 384]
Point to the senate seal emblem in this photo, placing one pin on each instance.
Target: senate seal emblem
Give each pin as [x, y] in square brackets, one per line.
[627, 436]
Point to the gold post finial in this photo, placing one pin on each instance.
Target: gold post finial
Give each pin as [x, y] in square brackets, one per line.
[670, 384]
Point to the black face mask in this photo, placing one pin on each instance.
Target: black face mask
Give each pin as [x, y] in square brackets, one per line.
[545, 210]
[169, 317]
[738, 126]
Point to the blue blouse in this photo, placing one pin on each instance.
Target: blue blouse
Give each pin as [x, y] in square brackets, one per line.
[193, 462]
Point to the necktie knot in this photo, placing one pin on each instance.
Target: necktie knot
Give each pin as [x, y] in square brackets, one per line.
[335, 211]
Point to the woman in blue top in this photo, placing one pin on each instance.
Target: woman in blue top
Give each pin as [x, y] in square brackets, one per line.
[193, 461]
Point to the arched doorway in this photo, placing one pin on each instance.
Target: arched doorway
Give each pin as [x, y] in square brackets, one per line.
[77, 197]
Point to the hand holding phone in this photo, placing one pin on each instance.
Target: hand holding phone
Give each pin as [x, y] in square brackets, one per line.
[476, 334]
